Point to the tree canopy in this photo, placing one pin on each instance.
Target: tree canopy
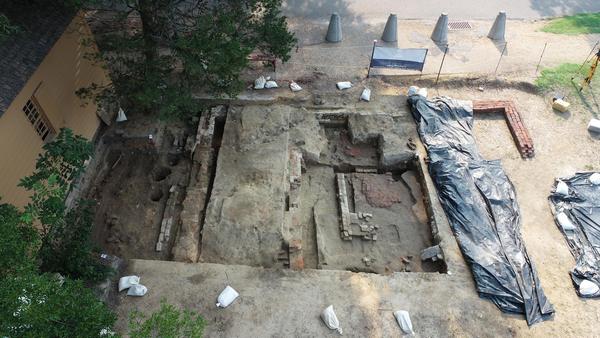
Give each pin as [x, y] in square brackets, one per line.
[35, 301]
[45, 306]
[159, 52]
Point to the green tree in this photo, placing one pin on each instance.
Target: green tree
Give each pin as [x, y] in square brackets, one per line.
[183, 46]
[44, 306]
[65, 245]
[60, 162]
[18, 242]
[167, 322]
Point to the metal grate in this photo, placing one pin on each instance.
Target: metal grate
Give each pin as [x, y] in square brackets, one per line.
[459, 25]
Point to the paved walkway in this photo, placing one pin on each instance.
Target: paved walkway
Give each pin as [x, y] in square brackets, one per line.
[428, 9]
[470, 51]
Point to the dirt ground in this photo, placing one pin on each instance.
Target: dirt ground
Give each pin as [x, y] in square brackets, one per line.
[134, 177]
[131, 186]
[440, 304]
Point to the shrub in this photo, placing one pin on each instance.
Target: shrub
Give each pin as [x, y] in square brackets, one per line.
[168, 321]
[44, 306]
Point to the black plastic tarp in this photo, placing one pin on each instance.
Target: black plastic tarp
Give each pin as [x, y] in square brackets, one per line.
[480, 203]
[582, 207]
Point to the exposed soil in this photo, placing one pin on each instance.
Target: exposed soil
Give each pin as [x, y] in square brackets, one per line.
[377, 191]
[131, 188]
[343, 154]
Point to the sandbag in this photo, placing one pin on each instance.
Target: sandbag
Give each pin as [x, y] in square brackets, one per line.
[562, 188]
[588, 288]
[343, 85]
[366, 95]
[121, 115]
[260, 83]
[414, 90]
[330, 319]
[580, 209]
[271, 84]
[565, 222]
[127, 281]
[594, 179]
[226, 297]
[137, 290]
[295, 87]
[403, 319]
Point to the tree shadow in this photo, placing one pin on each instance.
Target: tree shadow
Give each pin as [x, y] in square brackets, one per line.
[553, 8]
[592, 106]
[563, 7]
[319, 10]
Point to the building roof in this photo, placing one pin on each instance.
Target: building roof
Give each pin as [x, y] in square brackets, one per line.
[41, 23]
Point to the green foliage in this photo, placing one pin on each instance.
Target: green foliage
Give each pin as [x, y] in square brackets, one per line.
[181, 47]
[587, 23]
[60, 162]
[211, 53]
[6, 28]
[167, 322]
[274, 38]
[39, 306]
[65, 244]
[64, 157]
[34, 305]
[67, 247]
[559, 78]
[18, 242]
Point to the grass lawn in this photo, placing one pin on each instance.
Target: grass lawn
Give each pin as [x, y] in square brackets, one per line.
[560, 77]
[558, 80]
[587, 23]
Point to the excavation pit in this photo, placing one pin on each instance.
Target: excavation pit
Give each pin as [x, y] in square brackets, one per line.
[161, 173]
[376, 222]
[277, 187]
[156, 194]
[276, 199]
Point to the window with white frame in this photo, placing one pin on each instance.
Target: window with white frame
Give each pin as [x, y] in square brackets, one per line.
[38, 120]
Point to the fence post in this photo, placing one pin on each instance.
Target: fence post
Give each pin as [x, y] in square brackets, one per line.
[502, 54]
[441, 64]
[371, 60]
[538, 65]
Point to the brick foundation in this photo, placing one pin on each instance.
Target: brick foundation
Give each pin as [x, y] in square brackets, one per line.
[513, 120]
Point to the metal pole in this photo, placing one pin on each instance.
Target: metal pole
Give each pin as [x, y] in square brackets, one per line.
[370, 61]
[501, 55]
[441, 64]
[586, 59]
[538, 65]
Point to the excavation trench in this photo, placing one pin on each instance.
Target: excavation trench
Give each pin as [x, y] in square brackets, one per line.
[309, 191]
[273, 187]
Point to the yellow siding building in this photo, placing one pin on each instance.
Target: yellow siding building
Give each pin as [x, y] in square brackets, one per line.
[40, 70]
